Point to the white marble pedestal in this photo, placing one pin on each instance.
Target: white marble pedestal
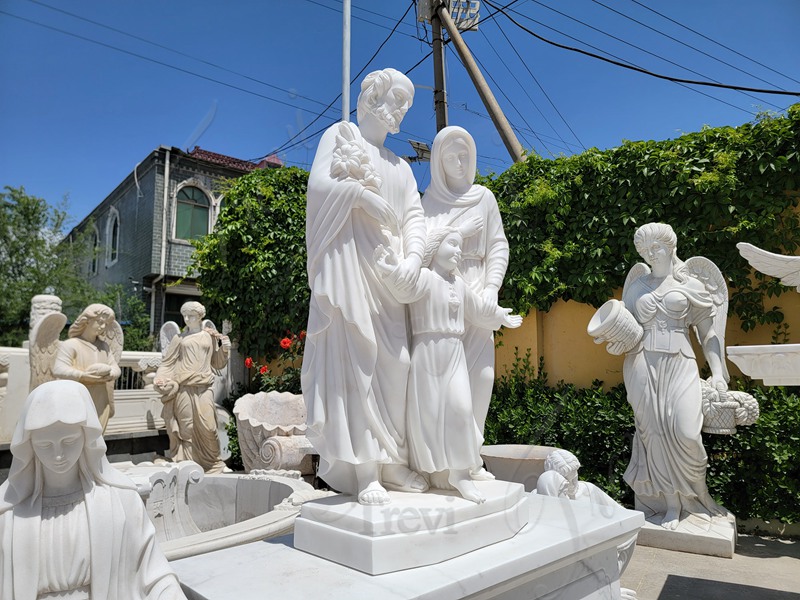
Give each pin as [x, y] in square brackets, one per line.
[568, 550]
[414, 530]
[697, 534]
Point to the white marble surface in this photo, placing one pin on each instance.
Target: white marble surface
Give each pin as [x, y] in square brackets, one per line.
[567, 550]
[413, 530]
[696, 534]
[777, 364]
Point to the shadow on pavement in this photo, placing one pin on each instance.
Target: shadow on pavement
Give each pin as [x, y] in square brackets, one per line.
[767, 547]
[692, 588]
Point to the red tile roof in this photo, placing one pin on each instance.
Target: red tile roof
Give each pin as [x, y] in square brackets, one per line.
[234, 163]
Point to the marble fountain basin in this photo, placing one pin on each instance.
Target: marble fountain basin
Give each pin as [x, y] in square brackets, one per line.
[520, 463]
[776, 364]
[194, 513]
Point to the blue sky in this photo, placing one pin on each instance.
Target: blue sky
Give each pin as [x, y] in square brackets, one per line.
[243, 78]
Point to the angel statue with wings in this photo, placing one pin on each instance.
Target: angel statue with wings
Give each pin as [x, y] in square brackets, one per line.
[663, 300]
[185, 380]
[90, 356]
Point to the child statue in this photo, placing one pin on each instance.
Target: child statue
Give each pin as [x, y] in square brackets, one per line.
[443, 437]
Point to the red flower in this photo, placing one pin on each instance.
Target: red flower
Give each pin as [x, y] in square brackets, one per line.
[302, 335]
[248, 362]
[263, 369]
[285, 343]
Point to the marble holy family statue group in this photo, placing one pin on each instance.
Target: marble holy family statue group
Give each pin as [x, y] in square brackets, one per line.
[389, 408]
[72, 526]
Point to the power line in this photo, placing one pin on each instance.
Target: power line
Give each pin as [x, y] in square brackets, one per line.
[683, 85]
[688, 46]
[514, 77]
[713, 41]
[285, 145]
[173, 50]
[546, 95]
[356, 17]
[641, 70]
[154, 61]
[645, 50]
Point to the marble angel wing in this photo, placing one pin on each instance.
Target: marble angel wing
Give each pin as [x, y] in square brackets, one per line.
[209, 324]
[44, 347]
[787, 268]
[168, 331]
[638, 270]
[711, 277]
[115, 339]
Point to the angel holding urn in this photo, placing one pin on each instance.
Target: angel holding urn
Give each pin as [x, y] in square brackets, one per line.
[662, 302]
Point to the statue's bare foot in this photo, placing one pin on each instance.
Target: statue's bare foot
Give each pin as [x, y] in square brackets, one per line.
[373, 495]
[671, 519]
[481, 475]
[465, 487]
[402, 479]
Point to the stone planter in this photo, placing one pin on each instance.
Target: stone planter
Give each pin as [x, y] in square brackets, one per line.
[516, 462]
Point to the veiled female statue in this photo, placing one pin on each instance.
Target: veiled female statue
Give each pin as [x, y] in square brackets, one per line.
[71, 526]
[453, 199]
[670, 298]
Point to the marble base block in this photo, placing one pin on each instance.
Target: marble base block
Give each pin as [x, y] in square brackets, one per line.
[413, 530]
[696, 534]
[568, 550]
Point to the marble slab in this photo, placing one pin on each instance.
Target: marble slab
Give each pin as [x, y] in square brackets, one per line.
[697, 534]
[413, 530]
[567, 550]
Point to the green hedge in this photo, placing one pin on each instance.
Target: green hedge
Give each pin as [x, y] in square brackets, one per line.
[570, 220]
[755, 473]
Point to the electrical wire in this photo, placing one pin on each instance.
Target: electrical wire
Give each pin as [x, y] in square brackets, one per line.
[356, 17]
[524, 64]
[284, 147]
[688, 46]
[515, 78]
[627, 43]
[713, 41]
[641, 70]
[612, 55]
[173, 50]
[155, 61]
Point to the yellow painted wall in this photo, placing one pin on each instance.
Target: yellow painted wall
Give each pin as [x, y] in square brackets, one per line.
[571, 355]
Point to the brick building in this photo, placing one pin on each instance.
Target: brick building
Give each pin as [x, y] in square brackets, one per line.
[141, 230]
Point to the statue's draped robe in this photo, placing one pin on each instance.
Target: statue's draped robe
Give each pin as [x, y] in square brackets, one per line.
[484, 259]
[356, 360]
[663, 386]
[192, 416]
[123, 558]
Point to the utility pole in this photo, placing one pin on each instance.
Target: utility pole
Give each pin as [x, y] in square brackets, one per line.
[346, 61]
[498, 118]
[439, 91]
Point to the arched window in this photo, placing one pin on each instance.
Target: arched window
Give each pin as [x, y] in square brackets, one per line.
[191, 219]
[112, 237]
[95, 250]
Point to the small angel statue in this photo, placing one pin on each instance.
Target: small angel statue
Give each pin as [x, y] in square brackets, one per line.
[663, 301]
[185, 380]
[443, 438]
[90, 356]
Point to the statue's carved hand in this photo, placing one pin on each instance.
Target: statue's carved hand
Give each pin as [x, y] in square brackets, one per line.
[471, 226]
[408, 271]
[377, 208]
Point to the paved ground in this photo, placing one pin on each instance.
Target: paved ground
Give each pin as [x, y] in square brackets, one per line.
[763, 569]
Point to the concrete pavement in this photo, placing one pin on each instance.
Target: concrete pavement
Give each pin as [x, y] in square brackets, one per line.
[763, 568]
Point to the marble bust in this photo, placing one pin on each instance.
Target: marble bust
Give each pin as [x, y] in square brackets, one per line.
[357, 361]
[185, 379]
[71, 526]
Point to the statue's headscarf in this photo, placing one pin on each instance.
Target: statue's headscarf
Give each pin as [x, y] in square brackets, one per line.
[67, 402]
[438, 188]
